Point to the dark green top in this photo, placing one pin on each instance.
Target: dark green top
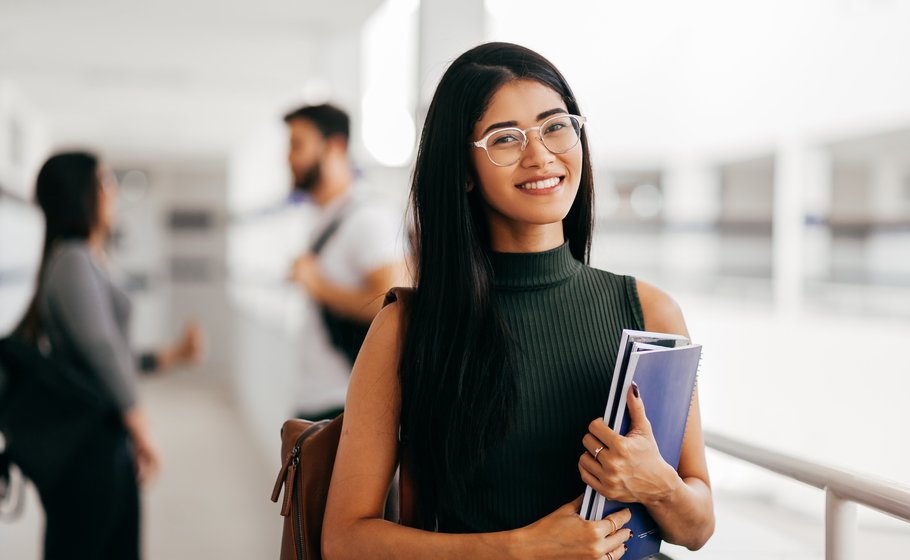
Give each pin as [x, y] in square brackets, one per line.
[567, 319]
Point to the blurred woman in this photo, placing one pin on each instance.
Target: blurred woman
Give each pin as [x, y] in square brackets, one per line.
[94, 511]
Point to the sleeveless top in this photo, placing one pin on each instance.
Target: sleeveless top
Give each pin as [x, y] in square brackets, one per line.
[567, 320]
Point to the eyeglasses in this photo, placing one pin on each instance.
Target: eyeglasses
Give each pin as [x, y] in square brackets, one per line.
[559, 134]
[108, 181]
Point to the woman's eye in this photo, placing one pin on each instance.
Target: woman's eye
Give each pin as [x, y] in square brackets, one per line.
[505, 139]
[555, 127]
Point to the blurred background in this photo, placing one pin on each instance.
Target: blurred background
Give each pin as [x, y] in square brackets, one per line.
[752, 158]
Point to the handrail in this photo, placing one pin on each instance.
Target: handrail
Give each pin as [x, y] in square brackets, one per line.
[843, 489]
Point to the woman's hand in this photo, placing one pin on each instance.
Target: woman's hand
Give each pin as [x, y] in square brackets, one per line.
[187, 350]
[145, 450]
[627, 469]
[305, 272]
[565, 535]
[148, 459]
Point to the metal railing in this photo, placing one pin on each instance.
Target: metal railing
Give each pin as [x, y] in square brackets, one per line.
[843, 490]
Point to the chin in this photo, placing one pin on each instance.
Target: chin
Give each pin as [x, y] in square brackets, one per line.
[542, 218]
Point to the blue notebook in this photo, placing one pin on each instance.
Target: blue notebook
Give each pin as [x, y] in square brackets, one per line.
[666, 382]
[612, 412]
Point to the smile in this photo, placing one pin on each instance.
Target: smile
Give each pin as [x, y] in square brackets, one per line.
[541, 185]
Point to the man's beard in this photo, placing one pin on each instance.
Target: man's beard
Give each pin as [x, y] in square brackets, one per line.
[308, 180]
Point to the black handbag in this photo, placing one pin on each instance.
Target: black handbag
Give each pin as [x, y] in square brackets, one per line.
[47, 410]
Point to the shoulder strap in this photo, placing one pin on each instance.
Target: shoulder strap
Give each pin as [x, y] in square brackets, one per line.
[411, 499]
[403, 295]
[330, 229]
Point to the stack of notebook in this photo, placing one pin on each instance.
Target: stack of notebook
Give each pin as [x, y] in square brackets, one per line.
[664, 367]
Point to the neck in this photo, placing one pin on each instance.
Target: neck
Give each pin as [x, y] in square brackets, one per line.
[333, 186]
[525, 238]
[96, 240]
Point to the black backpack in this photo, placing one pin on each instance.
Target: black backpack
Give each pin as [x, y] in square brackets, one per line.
[48, 409]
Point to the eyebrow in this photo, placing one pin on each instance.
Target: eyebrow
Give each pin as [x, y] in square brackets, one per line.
[510, 124]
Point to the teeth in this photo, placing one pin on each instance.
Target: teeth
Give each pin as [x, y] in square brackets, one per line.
[545, 184]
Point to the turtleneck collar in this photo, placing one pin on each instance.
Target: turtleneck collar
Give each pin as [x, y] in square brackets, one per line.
[533, 270]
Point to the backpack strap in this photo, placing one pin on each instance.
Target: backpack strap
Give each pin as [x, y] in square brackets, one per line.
[409, 496]
[403, 295]
[330, 229]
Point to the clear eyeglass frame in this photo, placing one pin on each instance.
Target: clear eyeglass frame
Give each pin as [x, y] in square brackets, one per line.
[482, 143]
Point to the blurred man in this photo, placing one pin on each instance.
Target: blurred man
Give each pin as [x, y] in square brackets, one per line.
[355, 253]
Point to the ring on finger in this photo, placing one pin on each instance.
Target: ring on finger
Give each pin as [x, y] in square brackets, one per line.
[610, 556]
[613, 523]
[597, 451]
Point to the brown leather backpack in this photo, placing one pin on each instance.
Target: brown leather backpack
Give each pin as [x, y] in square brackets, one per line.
[307, 459]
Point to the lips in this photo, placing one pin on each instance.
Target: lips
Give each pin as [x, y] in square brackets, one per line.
[540, 184]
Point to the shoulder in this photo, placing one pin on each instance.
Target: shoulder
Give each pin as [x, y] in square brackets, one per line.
[661, 312]
[372, 235]
[390, 317]
[69, 257]
[374, 377]
[374, 214]
[603, 275]
[623, 287]
[385, 335]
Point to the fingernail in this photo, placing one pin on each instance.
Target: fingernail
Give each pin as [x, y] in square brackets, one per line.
[635, 391]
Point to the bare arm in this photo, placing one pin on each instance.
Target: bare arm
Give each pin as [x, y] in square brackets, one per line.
[145, 450]
[630, 469]
[366, 460]
[187, 350]
[361, 304]
[686, 512]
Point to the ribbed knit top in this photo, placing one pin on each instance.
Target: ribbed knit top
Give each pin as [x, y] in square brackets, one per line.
[566, 319]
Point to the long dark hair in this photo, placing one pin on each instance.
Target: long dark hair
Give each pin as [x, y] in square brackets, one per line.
[457, 384]
[67, 191]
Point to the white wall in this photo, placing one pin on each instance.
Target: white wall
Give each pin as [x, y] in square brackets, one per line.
[23, 145]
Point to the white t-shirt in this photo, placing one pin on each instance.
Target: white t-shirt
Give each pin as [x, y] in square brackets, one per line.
[370, 236]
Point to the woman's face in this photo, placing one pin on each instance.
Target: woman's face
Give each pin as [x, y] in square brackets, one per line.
[107, 199]
[540, 187]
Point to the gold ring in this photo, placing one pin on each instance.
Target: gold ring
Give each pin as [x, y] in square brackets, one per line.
[613, 523]
[596, 451]
[610, 555]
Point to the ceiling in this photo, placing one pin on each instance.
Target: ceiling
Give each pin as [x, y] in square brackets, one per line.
[165, 79]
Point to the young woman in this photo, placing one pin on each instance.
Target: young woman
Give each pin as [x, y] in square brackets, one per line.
[497, 369]
[94, 511]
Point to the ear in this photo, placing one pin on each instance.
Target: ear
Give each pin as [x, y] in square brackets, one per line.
[470, 186]
[337, 142]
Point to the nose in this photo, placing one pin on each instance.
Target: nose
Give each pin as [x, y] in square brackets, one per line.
[535, 153]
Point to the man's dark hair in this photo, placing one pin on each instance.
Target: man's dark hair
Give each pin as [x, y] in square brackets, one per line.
[330, 120]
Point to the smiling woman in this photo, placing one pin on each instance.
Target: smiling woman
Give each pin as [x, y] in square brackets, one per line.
[491, 373]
